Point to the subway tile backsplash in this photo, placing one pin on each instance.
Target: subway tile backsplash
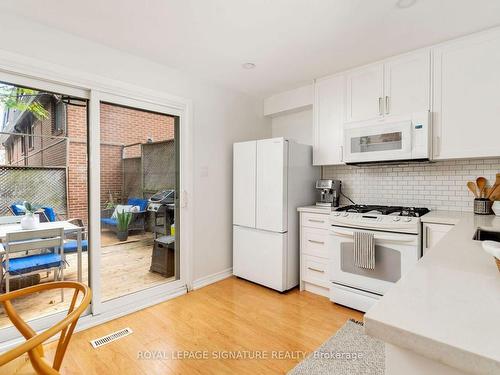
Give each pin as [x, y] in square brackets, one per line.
[438, 185]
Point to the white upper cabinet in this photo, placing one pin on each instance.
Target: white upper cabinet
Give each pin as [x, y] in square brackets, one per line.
[397, 86]
[364, 93]
[466, 105]
[458, 81]
[328, 120]
[407, 84]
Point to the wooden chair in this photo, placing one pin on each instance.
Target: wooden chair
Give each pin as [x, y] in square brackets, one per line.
[34, 342]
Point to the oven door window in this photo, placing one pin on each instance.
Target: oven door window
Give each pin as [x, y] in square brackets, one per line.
[377, 142]
[387, 263]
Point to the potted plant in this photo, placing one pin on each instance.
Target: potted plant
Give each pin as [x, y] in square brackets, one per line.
[29, 220]
[123, 220]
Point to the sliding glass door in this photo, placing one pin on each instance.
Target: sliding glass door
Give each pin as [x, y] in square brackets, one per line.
[138, 205]
[111, 166]
[44, 162]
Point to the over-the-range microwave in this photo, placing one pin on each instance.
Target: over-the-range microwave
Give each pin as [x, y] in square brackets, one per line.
[405, 138]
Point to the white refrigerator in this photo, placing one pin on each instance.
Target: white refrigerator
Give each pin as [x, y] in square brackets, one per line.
[271, 178]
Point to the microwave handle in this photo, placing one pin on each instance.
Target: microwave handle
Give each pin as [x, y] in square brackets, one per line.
[393, 239]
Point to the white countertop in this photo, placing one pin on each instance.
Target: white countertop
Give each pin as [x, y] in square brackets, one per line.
[317, 209]
[445, 217]
[447, 307]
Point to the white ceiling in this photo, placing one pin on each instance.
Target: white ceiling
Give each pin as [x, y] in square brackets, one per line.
[290, 41]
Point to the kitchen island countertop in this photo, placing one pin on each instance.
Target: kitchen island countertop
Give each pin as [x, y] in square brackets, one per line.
[447, 307]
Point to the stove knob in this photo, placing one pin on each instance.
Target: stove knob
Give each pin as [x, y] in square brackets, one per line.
[396, 218]
[346, 214]
[336, 214]
[407, 219]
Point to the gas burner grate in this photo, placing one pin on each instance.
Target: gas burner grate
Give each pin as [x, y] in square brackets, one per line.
[385, 210]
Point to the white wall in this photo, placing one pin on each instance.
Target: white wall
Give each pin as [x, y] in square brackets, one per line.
[291, 113]
[291, 100]
[295, 125]
[221, 117]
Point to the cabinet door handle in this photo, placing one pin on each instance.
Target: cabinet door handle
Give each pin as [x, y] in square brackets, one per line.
[380, 110]
[318, 242]
[386, 105]
[315, 269]
[341, 153]
[426, 237]
[316, 221]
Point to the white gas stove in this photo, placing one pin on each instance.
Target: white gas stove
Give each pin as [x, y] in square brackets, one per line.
[376, 222]
[398, 244]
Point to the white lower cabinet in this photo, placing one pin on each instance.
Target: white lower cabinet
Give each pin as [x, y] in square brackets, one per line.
[433, 233]
[315, 270]
[314, 253]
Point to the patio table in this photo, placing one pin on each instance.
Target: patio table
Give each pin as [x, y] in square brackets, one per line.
[68, 227]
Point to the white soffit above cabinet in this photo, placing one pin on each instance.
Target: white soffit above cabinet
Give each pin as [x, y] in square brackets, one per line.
[291, 42]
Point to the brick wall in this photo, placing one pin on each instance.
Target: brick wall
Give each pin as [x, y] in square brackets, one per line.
[46, 149]
[77, 163]
[125, 126]
[439, 185]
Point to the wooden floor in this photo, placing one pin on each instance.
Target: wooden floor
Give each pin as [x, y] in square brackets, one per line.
[231, 315]
[124, 269]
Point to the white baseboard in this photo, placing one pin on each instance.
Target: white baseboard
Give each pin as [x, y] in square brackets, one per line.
[213, 278]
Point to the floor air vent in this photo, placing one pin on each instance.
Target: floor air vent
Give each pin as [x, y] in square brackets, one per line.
[111, 337]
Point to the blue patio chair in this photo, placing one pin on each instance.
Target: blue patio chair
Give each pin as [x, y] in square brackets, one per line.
[25, 241]
[71, 244]
[18, 209]
[138, 218]
[50, 213]
[141, 203]
[46, 213]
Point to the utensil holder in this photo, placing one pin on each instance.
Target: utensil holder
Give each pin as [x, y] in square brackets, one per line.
[482, 206]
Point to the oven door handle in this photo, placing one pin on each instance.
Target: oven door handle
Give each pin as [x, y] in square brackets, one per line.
[382, 238]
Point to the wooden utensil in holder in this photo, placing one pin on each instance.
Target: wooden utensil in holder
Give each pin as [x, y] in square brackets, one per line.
[482, 206]
[481, 185]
